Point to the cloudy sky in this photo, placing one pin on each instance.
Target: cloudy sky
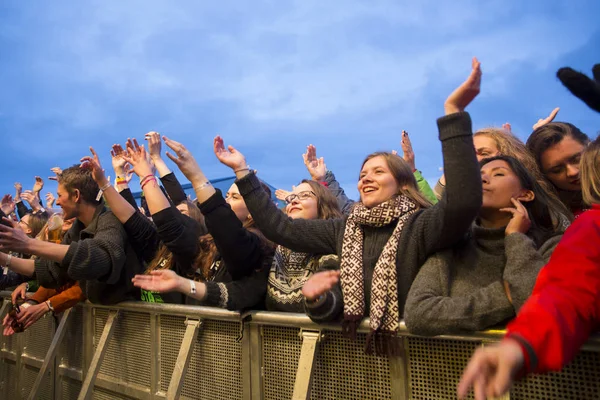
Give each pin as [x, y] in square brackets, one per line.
[273, 76]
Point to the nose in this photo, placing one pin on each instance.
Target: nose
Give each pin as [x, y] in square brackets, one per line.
[295, 201]
[485, 179]
[572, 171]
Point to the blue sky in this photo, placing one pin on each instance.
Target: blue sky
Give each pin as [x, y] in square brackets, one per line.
[273, 76]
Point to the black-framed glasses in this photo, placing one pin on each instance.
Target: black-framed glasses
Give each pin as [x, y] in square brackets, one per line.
[300, 196]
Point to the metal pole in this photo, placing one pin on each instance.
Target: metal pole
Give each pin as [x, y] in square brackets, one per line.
[303, 383]
[50, 354]
[181, 365]
[88, 384]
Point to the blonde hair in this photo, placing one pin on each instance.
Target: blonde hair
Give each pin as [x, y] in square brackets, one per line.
[590, 173]
[510, 145]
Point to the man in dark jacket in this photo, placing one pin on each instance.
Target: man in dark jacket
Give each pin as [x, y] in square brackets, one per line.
[95, 251]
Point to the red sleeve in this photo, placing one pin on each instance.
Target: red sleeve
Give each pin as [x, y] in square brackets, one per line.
[42, 294]
[564, 307]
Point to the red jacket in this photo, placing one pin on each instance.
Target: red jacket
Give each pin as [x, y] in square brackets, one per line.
[564, 308]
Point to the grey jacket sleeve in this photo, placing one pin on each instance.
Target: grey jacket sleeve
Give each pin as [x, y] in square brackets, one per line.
[334, 187]
[431, 311]
[523, 264]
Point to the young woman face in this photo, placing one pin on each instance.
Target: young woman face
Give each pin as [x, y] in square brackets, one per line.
[302, 203]
[237, 203]
[485, 147]
[500, 184]
[24, 224]
[560, 164]
[376, 184]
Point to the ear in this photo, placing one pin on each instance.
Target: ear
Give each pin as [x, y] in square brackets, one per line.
[249, 218]
[526, 196]
[76, 195]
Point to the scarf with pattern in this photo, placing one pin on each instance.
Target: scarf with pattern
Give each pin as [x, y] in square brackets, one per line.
[384, 313]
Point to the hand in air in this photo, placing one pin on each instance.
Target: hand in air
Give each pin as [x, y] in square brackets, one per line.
[320, 283]
[466, 92]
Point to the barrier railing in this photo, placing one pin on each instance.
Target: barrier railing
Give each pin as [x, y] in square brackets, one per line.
[157, 351]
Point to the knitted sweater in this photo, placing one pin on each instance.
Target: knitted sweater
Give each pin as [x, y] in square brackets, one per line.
[462, 289]
[99, 257]
[427, 231]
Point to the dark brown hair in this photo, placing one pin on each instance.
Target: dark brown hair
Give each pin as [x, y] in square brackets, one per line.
[78, 178]
[550, 134]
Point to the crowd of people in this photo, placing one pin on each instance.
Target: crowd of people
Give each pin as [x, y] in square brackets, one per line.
[511, 229]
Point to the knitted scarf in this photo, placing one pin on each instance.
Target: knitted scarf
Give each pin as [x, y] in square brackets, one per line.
[289, 272]
[384, 315]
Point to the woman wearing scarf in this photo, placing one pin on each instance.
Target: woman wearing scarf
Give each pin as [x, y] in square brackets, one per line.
[388, 235]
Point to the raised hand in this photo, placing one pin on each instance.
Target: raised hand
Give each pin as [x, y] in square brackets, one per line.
[29, 197]
[320, 283]
[118, 162]
[163, 280]
[57, 172]
[229, 156]
[281, 194]
[184, 160]
[491, 370]
[466, 92]
[520, 221]
[507, 127]
[38, 185]
[50, 199]
[316, 166]
[136, 156]
[8, 205]
[94, 164]
[547, 120]
[154, 144]
[12, 238]
[407, 150]
[19, 190]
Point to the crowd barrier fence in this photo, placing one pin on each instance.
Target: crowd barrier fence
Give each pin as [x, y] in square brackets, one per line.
[155, 351]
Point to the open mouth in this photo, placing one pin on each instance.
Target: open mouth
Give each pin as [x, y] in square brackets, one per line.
[368, 189]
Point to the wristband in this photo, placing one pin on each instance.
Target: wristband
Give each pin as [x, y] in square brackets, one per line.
[8, 260]
[142, 180]
[50, 308]
[202, 186]
[106, 186]
[192, 287]
[152, 179]
[242, 169]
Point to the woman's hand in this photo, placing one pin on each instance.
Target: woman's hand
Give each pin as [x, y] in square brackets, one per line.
[136, 156]
[184, 160]
[316, 166]
[320, 283]
[161, 281]
[547, 120]
[30, 315]
[94, 164]
[407, 150]
[229, 156]
[466, 92]
[520, 221]
[8, 205]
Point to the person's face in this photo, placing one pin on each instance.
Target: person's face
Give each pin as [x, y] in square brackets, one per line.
[183, 208]
[485, 147]
[66, 202]
[500, 185]
[237, 203]
[302, 203]
[67, 224]
[560, 164]
[376, 183]
[24, 224]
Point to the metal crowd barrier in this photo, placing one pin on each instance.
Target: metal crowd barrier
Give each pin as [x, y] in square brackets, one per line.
[158, 351]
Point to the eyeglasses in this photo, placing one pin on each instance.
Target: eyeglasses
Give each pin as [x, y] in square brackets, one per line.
[24, 223]
[300, 196]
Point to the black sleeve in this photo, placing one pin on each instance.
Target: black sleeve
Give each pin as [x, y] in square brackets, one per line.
[142, 235]
[246, 293]
[180, 234]
[241, 249]
[127, 195]
[173, 188]
[11, 279]
[22, 209]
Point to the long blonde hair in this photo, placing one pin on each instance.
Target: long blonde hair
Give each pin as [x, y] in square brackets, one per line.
[590, 173]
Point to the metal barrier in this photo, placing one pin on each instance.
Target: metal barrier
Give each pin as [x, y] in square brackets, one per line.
[157, 351]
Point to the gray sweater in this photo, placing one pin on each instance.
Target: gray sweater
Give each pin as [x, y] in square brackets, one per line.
[462, 289]
[426, 232]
